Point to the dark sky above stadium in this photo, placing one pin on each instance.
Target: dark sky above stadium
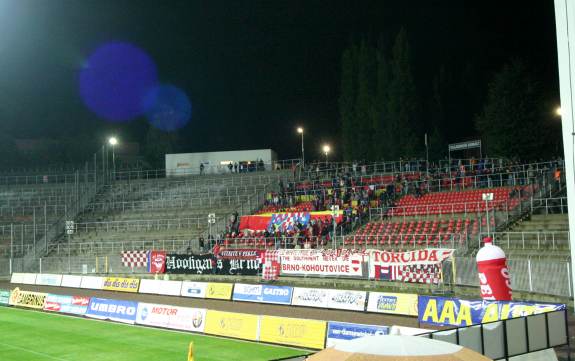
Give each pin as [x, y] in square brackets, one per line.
[252, 70]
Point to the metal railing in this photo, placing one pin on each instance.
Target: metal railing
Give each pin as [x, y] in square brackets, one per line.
[121, 206]
[140, 225]
[557, 205]
[534, 240]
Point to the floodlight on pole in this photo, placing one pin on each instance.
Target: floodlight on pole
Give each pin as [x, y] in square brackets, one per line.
[300, 131]
[113, 141]
[326, 149]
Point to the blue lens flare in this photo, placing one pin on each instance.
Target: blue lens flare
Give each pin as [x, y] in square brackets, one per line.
[115, 79]
[167, 108]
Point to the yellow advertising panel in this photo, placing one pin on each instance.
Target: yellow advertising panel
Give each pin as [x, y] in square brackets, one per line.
[231, 324]
[293, 331]
[27, 299]
[219, 291]
[394, 303]
[121, 284]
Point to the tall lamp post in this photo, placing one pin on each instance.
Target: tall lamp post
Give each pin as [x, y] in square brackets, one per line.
[113, 141]
[300, 131]
[326, 149]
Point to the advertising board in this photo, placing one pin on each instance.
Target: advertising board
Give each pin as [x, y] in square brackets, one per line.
[4, 297]
[71, 281]
[160, 287]
[310, 297]
[231, 324]
[346, 300]
[263, 293]
[115, 310]
[27, 299]
[194, 289]
[293, 331]
[47, 279]
[121, 284]
[442, 311]
[219, 291]
[393, 303]
[340, 332]
[17, 278]
[67, 304]
[92, 282]
[173, 317]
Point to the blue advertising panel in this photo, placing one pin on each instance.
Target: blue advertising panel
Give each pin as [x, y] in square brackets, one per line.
[262, 293]
[277, 294]
[115, 310]
[342, 331]
[442, 311]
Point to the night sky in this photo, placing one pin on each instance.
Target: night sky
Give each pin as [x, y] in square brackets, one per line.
[252, 70]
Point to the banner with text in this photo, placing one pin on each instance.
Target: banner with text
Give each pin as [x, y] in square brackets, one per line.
[121, 284]
[419, 266]
[75, 305]
[293, 331]
[174, 317]
[263, 293]
[27, 299]
[320, 262]
[231, 324]
[115, 310]
[394, 303]
[208, 264]
[341, 332]
[442, 311]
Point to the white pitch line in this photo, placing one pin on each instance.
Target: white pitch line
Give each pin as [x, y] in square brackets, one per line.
[32, 352]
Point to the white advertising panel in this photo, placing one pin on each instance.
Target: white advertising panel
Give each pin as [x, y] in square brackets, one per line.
[92, 282]
[179, 318]
[149, 286]
[29, 278]
[170, 288]
[310, 297]
[194, 289]
[346, 300]
[71, 281]
[17, 278]
[47, 279]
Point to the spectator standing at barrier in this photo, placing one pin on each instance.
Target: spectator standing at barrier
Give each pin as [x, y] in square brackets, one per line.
[201, 244]
[201, 168]
[231, 167]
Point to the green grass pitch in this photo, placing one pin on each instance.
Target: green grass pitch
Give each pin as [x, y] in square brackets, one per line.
[30, 335]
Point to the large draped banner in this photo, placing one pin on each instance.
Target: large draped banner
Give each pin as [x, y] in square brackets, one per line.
[419, 266]
[262, 222]
[321, 262]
